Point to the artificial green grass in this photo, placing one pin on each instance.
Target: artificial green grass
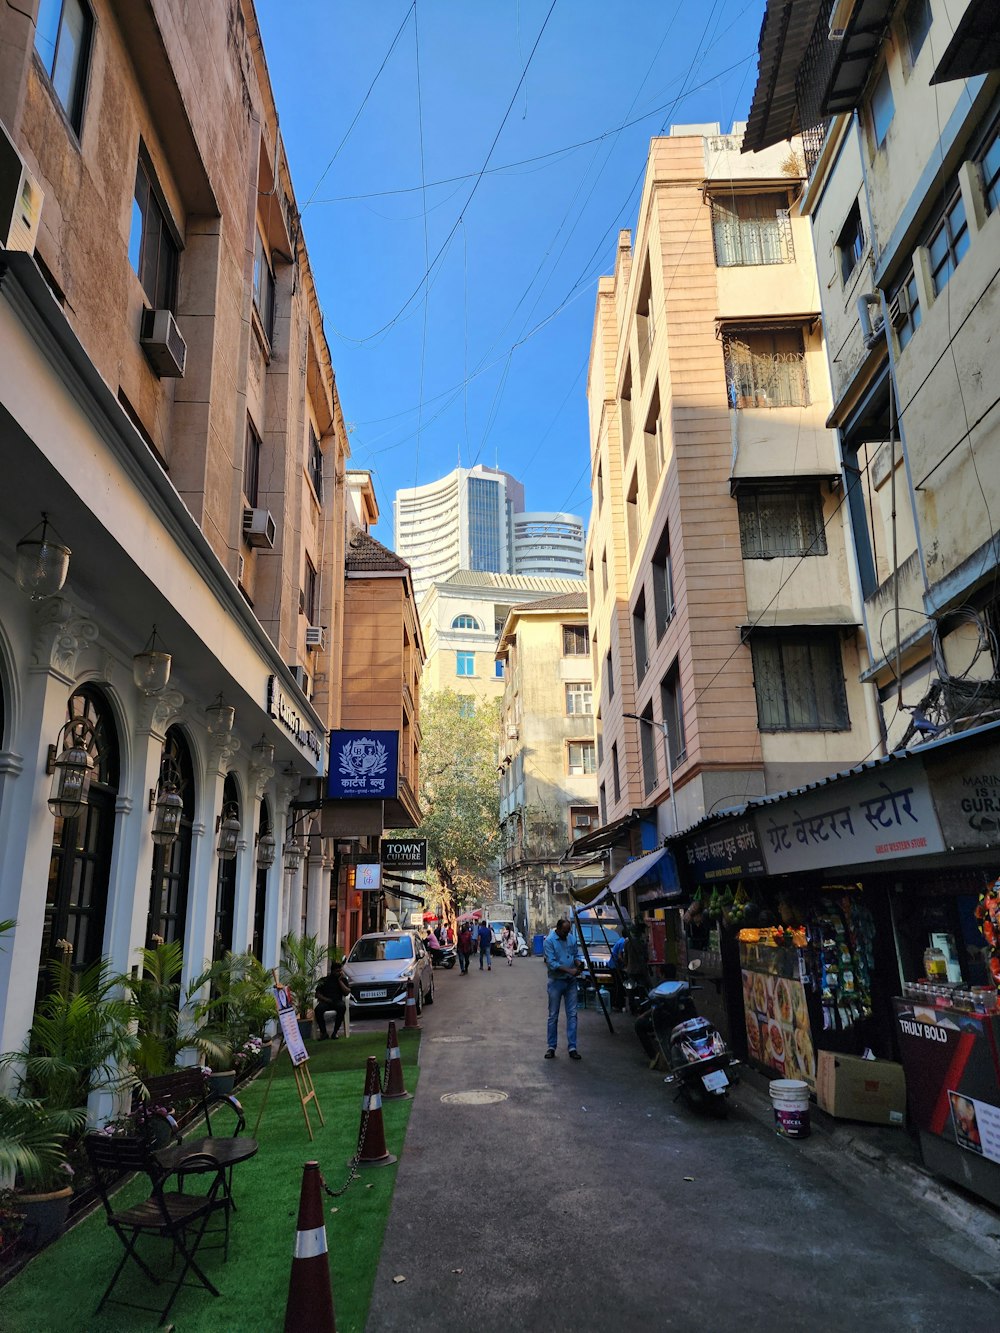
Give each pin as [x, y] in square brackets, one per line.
[59, 1289]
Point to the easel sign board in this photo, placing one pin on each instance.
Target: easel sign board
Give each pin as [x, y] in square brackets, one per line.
[288, 1020]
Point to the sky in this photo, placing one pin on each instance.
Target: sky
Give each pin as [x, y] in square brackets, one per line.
[463, 168]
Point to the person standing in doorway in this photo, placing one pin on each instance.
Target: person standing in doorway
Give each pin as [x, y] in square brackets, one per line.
[485, 937]
[466, 945]
[563, 963]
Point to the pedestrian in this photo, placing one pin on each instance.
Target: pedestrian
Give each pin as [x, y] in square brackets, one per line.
[485, 937]
[449, 935]
[508, 941]
[466, 945]
[563, 963]
[432, 942]
[331, 993]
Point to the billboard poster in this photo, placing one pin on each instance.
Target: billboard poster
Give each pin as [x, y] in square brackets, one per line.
[775, 1010]
[951, 1074]
[364, 765]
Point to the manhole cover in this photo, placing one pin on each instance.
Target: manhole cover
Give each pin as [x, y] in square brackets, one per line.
[451, 1038]
[477, 1097]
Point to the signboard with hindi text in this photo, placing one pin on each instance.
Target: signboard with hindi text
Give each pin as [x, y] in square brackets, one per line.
[728, 852]
[364, 765]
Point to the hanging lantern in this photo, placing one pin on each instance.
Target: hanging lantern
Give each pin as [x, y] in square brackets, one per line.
[221, 717]
[266, 850]
[42, 564]
[228, 826]
[293, 852]
[264, 752]
[72, 768]
[151, 667]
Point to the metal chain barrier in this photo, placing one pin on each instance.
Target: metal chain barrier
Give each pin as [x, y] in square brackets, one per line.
[352, 1170]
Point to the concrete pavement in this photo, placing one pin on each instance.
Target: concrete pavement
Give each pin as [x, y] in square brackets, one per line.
[576, 1195]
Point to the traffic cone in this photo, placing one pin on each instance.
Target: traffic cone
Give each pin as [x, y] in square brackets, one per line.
[395, 1088]
[411, 1007]
[371, 1136]
[310, 1298]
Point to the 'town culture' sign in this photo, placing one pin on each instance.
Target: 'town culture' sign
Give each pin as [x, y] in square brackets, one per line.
[403, 853]
[364, 765]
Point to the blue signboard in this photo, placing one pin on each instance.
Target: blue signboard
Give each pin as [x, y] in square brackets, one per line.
[364, 765]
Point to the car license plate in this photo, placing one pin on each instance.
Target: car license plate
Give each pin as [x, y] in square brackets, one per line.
[720, 1079]
[374, 994]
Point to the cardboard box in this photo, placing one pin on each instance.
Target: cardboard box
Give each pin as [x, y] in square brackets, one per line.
[854, 1089]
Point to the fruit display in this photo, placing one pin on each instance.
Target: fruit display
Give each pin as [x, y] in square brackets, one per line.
[988, 917]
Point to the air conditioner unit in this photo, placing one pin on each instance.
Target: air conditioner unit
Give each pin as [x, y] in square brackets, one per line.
[581, 821]
[258, 527]
[301, 678]
[20, 199]
[512, 733]
[241, 565]
[900, 308]
[161, 340]
[315, 636]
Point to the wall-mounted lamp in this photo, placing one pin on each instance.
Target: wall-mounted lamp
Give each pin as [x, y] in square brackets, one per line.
[72, 768]
[293, 852]
[42, 564]
[263, 752]
[266, 850]
[151, 667]
[227, 825]
[166, 805]
[221, 717]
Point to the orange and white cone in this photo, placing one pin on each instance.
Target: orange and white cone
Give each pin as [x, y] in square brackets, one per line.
[310, 1297]
[411, 1007]
[395, 1088]
[371, 1146]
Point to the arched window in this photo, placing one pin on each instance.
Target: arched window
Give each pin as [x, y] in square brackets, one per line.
[76, 898]
[225, 884]
[168, 893]
[465, 622]
[264, 825]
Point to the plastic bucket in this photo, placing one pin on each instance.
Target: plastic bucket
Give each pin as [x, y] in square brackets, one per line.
[537, 944]
[790, 1098]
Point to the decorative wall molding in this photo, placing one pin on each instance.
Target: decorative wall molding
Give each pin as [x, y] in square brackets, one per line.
[158, 711]
[62, 634]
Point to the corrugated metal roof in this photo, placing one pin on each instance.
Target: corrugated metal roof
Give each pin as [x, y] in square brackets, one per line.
[784, 36]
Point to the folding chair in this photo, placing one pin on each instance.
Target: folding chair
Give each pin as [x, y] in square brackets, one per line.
[166, 1215]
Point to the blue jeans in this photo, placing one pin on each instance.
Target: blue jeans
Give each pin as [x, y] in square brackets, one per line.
[562, 989]
[484, 956]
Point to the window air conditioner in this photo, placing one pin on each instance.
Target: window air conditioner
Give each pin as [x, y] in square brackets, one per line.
[161, 340]
[258, 528]
[241, 565]
[20, 199]
[900, 308]
[581, 821]
[315, 636]
[512, 733]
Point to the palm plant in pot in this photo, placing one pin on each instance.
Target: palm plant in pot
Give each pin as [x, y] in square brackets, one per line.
[155, 992]
[235, 1007]
[33, 1160]
[303, 963]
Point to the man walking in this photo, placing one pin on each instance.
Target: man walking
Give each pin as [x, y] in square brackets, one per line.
[485, 937]
[465, 947]
[563, 963]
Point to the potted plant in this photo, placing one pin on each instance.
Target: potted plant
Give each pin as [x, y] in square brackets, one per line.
[155, 993]
[235, 1007]
[303, 960]
[33, 1157]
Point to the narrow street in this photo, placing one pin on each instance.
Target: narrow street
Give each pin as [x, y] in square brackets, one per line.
[587, 1198]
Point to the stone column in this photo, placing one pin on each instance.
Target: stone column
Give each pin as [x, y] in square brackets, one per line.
[246, 884]
[199, 935]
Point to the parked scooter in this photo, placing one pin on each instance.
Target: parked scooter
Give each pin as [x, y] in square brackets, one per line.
[697, 1056]
[445, 956]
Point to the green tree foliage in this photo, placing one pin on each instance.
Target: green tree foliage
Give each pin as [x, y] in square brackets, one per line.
[460, 791]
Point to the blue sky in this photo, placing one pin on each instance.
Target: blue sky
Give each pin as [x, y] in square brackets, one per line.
[485, 359]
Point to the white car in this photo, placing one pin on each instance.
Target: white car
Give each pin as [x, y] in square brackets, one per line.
[379, 968]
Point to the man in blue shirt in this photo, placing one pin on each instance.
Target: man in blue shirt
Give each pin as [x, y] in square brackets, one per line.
[485, 937]
[564, 963]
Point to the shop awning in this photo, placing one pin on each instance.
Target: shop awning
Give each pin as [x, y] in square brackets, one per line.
[642, 865]
[608, 835]
[661, 860]
[784, 37]
[397, 892]
[588, 894]
[857, 52]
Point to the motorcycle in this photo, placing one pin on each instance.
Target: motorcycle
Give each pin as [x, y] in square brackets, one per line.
[695, 1052]
[445, 957]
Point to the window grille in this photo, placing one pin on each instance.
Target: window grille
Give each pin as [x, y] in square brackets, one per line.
[765, 368]
[752, 229]
[799, 683]
[777, 523]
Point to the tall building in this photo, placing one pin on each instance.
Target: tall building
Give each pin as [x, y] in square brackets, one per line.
[474, 519]
[723, 612]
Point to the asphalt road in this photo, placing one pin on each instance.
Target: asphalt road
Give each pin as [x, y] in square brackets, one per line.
[587, 1198]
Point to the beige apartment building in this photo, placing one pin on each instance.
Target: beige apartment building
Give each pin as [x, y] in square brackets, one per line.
[724, 611]
[548, 758]
[169, 406]
[899, 105]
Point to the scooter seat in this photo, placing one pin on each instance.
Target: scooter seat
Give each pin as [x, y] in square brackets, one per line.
[669, 990]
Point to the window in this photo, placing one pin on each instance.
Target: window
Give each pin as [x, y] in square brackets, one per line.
[600, 488]
[63, 35]
[672, 707]
[851, 243]
[616, 782]
[604, 572]
[466, 708]
[579, 697]
[581, 758]
[881, 107]
[309, 593]
[652, 439]
[626, 407]
[989, 165]
[663, 584]
[647, 747]
[315, 463]
[639, 644]
[251, 466]
[465, 664]
[576, 640]
[465, 622]
[948, 243]
[603, 798]
[799, 682]
[917, 22]
[752, 229]
[645, 330]
[498, 670]
[785, 522]
[904, 309]
[609, 673]
[263, 287]
[168, 892]
[632, 514]
[765, 368]
[152, 250]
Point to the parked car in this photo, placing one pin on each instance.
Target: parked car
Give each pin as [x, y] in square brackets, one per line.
[497, 948]
[380, 966]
